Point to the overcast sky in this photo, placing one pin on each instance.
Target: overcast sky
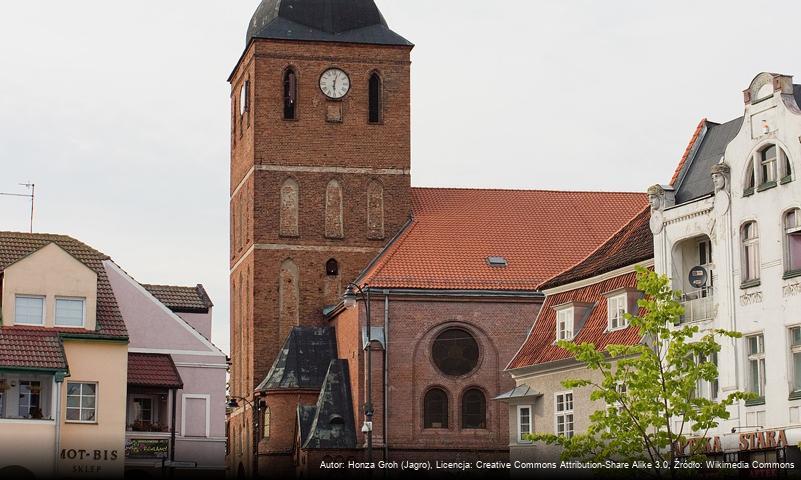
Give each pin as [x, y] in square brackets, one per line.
[118, 111]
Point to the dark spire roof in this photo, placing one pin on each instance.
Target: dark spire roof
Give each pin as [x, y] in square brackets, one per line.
[303, 361]
[348, 21]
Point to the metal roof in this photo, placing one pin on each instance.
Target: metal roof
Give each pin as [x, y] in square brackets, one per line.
[520, 391]
[303, 361]
[346, 21]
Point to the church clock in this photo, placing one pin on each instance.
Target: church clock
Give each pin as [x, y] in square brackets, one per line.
[334, 83]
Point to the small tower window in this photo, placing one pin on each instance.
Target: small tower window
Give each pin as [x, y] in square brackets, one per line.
[244, 98]
[375, 106]
[332, 268]
[290, 94]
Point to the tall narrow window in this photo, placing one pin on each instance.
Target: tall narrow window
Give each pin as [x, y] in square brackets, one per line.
[786, 172]
[265, 425]
[30, 396]
[704, 388]
[524, 423]
[756, 364]
[435, 409]
[244, 98]
[333, 210]
[290, 94]
[795, 352]
[474, 409]
[750, 252]
[767, 164]
[289, 208]
[375, 107]
[792, 241]
[563, 407]
[564, 324]
[288, 299]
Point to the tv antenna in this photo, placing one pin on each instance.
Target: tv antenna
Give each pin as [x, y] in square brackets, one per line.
[32, 195]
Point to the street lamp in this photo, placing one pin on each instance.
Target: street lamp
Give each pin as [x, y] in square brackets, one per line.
[349, 299]
[255, 408]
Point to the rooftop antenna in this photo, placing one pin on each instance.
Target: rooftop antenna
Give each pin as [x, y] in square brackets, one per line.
[30, 186]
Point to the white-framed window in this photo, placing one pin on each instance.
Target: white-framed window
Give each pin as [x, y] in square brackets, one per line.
[750, 252]
[70, 312]
[767, 164]
[525, 423]
[30, 399]
[756, 364]
[29, 309]
[616, 312]
[81, 402]
[707, 389]
[621, 390]
[795, 354]
[792, 240]
[563, 411]
[564, 324]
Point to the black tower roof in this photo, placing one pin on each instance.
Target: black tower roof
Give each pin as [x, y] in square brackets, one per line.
[347, 21]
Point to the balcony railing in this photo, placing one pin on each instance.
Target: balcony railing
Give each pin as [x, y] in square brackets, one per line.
[699, 305]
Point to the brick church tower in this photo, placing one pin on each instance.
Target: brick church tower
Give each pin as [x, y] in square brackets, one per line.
[320, 163]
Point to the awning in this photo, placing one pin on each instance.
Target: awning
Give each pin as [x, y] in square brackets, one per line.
[153, 370]
[31, 349]
[520, 391]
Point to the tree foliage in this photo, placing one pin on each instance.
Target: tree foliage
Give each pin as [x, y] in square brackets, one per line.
[658, 407]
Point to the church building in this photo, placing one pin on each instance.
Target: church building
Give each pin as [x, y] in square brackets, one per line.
[321, 202]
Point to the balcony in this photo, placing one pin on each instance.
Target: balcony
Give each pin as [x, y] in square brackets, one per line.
[699, 305]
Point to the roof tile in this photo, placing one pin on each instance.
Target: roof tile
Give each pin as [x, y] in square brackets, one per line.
[35, 348]
[153, 370]
[181, 299]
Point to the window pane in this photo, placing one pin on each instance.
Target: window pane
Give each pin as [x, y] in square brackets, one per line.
[797, 371]
[754, 376]
[73, 401]
[29, 310]
[69, 312]
[88, 415]
[73, 389]
[73, 414]
[89, 388]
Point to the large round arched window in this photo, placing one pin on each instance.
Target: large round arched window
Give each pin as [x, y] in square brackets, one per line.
[455, 352]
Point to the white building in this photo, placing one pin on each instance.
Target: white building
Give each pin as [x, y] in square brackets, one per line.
[728, 232]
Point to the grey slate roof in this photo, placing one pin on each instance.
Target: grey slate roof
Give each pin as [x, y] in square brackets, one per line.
[520, 391]
[333, 425]
[303, 361]
[696, 179]
[348, 21]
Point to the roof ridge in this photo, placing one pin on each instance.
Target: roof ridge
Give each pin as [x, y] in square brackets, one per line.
[527, 190]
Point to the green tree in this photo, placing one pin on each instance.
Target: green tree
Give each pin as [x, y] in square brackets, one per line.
[649, 388]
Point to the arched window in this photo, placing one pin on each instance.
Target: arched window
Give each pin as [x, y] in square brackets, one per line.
[750, 182]
[288, 211]
[375, 104]
[435, 409]
[749, 235]
[244, 97]
[474, 409]
[792, 241]
[288, 299]
[333, 210]
[786, 170]
[290, 94]
[455, 352]
[332, 268]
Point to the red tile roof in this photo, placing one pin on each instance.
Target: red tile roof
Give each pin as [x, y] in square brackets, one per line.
[539, 347]
[540, 233]
[15, 246]
[687, 151]
[153, 370]
[632, 244]
[181, 299]
[34, 348]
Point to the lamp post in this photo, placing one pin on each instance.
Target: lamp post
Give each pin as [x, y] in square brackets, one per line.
[349, 299]
[255, 408]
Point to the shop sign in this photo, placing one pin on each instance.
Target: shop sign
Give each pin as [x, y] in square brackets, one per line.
[763, 440]
[147, 448]
[693, 446]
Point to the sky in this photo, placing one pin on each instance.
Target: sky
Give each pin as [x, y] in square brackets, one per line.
[118, 111]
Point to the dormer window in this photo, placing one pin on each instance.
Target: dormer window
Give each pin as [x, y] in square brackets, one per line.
[29, 310]
[564, 323]
[69, 312]
[616, 308]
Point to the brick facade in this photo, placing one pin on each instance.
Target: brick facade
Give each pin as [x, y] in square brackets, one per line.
[278, 276]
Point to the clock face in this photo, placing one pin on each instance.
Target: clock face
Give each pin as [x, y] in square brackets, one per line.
[334, 83]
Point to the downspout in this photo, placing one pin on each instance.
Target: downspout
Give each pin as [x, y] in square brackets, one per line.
[386, 374]
[59, 379]
[172, 426]
[733, 300]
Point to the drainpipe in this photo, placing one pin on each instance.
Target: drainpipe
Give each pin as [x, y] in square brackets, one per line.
[733, 300]
[59, 380]
[172, 427]
[386, 373]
